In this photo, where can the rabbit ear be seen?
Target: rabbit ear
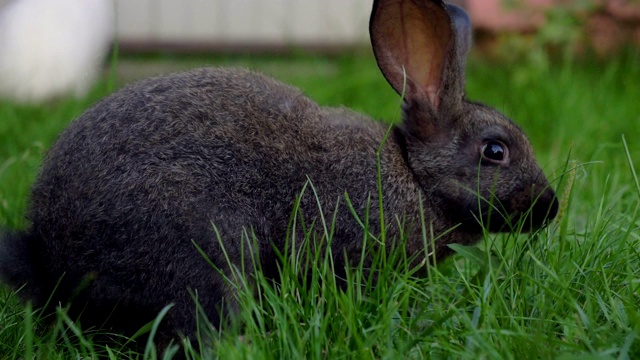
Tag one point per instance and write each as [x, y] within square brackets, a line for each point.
[414, 40]
[462, 24]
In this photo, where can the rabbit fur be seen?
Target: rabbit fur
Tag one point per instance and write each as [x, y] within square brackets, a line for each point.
[223, 152]
[52, 48]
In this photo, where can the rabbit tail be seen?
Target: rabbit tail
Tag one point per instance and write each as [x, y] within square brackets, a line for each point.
[20, 267]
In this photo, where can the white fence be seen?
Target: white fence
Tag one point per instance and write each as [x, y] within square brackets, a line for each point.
[242, 23]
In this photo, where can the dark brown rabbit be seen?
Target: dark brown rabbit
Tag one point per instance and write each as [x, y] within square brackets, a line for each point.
[184, 158]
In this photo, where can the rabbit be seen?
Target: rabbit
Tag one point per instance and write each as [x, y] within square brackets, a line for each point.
[208, 155]
[52, 48]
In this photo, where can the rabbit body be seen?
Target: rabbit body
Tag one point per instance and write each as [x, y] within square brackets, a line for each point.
[213, 154]
[132, 182]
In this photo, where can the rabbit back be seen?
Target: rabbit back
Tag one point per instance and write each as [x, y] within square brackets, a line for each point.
[186, 158]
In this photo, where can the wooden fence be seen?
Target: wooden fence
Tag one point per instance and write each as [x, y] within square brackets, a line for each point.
[207, 24]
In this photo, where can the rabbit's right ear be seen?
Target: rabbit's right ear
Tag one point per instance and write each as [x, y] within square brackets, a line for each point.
[421, 47]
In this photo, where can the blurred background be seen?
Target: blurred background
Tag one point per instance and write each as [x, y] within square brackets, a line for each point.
[53, 48]
[276, 25]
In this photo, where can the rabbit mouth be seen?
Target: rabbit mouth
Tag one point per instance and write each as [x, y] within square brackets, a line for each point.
[523, 211]
[541, 213]
[520, 213]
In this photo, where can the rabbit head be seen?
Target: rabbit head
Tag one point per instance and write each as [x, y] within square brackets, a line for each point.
[473, 163]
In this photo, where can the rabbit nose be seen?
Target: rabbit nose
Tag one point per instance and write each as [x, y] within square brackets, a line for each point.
[545, 209]
[538, 203]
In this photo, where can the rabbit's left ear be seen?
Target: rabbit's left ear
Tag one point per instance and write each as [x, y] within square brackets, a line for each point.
[464, 38]
[421, 47]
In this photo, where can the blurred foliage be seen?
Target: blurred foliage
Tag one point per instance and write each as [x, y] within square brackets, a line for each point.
[567, 33]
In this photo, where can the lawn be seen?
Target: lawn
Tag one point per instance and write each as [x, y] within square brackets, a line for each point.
[569, 291]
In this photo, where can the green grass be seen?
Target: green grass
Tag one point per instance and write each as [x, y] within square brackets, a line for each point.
[569, 291]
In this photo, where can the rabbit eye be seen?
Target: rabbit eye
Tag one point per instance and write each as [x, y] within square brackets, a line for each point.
[494, 151]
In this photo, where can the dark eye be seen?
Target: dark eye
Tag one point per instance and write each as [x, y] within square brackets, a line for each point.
[494, 151]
